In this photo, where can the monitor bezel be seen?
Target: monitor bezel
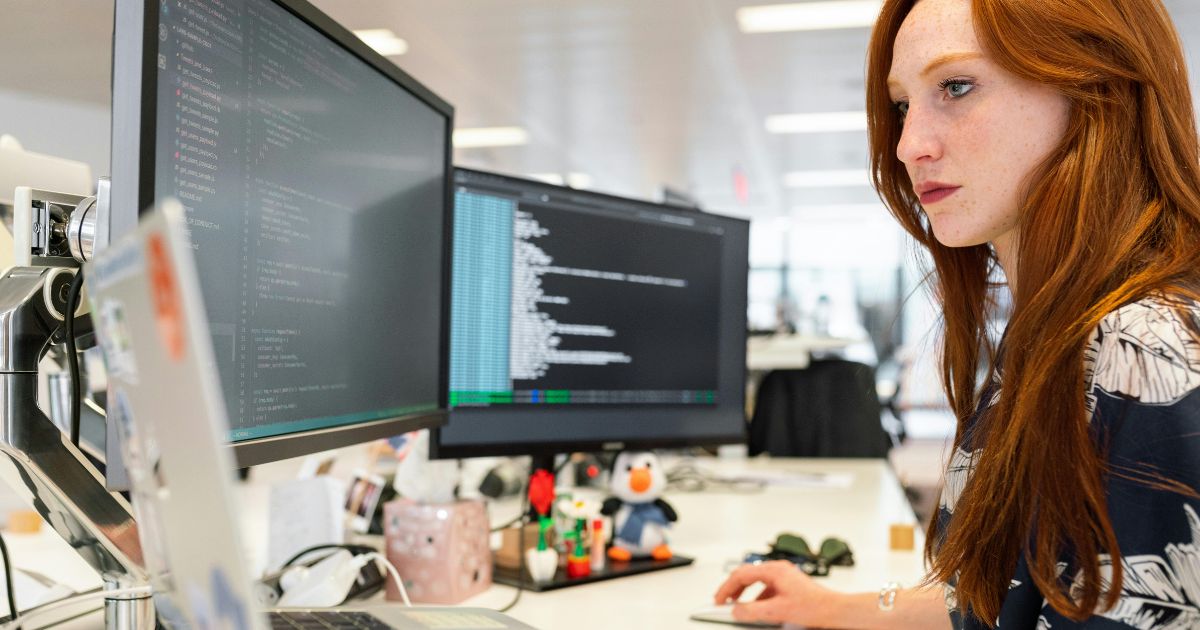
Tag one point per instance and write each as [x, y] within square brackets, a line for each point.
[134, 113]
[438, 450]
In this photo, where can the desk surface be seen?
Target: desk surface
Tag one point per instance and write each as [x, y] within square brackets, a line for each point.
[716, 528]
[719, 528]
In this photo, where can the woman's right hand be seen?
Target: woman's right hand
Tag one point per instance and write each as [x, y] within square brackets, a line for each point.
[788, 596]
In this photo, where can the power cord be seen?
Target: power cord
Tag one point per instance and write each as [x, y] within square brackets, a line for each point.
[354, 549]
[688, 477]
[363, 555]
[520, 549]
[8, 581]
[375, 555]
[72, 353]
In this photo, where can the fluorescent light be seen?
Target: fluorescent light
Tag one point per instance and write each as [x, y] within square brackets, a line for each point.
[477, 137]
[827, 179]
[823, 122]
[808, 16]
[550, 178]
[579, 181]
[383, 41]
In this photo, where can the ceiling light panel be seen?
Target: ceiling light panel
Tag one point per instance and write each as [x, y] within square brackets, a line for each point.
[808, 16]
[478, 137]
[383, 41]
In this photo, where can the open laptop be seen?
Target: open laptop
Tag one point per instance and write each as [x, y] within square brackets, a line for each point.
[167, 403]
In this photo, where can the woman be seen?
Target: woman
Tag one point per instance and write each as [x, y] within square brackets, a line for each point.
[1054, 139]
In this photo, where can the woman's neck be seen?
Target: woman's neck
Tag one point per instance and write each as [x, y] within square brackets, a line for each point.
[1005, 247]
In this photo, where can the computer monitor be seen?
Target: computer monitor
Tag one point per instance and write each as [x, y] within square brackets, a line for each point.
[315, 179]
[585, 322]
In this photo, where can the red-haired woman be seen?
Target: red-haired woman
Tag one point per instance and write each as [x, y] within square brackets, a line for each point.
[1055, 139]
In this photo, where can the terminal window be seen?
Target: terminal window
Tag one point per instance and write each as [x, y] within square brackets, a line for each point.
[560, 298]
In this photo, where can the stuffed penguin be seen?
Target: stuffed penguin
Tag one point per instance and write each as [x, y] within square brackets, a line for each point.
[640, 516]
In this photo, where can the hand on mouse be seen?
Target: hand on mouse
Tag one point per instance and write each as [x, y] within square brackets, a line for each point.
[788, 596]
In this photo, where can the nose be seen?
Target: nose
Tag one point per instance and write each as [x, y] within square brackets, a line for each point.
[639, 480]
[919, 140]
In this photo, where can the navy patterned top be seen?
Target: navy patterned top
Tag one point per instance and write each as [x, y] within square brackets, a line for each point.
[1142, 366]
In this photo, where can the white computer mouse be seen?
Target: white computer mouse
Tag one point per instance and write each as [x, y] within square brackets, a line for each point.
[724, 614]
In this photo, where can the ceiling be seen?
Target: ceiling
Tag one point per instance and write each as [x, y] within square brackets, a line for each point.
[634, 94]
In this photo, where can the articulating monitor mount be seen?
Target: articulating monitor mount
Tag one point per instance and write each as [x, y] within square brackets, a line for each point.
[38, 460]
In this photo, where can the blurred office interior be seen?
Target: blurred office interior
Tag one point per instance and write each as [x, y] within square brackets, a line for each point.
[703, 102]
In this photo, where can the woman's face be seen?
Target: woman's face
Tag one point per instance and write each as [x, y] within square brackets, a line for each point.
[973, 133]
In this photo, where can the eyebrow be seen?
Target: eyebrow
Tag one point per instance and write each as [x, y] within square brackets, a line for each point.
[938, 62]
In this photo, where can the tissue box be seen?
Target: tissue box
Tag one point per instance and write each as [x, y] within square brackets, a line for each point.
[441, 550]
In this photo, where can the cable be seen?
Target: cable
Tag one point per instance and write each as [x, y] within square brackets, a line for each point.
[71, 618]
[375, 555]
[74, 599]
[72, 354]
[516, 519]
[354, 549]
[688, 477]
[520, 551]
[8, 581]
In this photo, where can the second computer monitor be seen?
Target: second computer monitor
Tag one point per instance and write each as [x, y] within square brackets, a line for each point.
[583, 321]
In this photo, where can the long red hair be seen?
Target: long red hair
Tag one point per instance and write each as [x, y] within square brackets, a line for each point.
[1111, 216]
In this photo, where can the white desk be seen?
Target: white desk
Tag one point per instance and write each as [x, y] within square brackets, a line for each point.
[718, 528]
[715, 528]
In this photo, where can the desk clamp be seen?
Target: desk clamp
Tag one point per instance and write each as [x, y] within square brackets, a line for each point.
[36, 459]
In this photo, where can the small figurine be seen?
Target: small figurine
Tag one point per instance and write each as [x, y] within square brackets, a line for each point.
[640, 516]
[580, 511]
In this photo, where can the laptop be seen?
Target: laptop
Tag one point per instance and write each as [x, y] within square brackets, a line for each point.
[166, 401]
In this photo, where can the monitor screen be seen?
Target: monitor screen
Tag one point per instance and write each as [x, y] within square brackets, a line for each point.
[582, 321]
[314, 176]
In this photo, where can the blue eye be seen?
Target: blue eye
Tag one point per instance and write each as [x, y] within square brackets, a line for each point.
[957, 88]
[902, 107]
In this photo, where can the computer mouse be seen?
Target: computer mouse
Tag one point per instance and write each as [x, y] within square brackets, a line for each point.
[724, 614]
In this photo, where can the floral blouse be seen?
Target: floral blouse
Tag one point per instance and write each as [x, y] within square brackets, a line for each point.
[1142, 366]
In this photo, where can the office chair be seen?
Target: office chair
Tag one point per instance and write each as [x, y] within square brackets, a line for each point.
[829, 409]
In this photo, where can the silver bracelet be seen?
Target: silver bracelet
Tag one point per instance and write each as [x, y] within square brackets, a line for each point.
[887, 596]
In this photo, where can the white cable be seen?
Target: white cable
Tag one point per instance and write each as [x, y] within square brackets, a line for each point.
[394, 573]
[26, 615]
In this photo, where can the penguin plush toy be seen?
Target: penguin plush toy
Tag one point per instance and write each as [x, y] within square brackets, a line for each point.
[640, 516]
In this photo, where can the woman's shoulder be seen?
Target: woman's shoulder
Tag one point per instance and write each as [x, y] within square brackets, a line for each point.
[1147, 351]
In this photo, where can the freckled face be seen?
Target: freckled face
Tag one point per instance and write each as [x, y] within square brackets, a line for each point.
[973, 133]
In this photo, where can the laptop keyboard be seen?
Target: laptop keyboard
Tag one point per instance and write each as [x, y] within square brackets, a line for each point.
[324, 620]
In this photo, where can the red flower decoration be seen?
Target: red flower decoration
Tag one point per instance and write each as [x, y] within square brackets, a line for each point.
[541, 491]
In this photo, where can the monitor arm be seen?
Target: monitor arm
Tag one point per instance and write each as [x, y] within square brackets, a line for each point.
[40, 463]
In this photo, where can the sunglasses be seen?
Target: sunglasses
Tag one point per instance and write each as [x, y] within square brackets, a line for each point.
[793, 548]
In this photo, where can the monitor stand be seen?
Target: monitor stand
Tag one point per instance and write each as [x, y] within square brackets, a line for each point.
[46, 469]
[519, 577]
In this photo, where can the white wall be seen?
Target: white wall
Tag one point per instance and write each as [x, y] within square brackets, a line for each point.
[67, 129]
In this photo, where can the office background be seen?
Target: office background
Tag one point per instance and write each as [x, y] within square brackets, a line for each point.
[619, 96]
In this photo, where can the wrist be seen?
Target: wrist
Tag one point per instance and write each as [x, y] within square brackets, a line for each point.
[832, 610]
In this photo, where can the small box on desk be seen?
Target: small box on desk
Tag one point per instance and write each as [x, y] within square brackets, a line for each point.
[441, 550]
[511, 548]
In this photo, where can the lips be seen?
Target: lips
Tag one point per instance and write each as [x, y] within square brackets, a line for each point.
[933, 192]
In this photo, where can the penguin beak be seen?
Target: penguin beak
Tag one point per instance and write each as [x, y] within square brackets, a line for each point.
[639, 480]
